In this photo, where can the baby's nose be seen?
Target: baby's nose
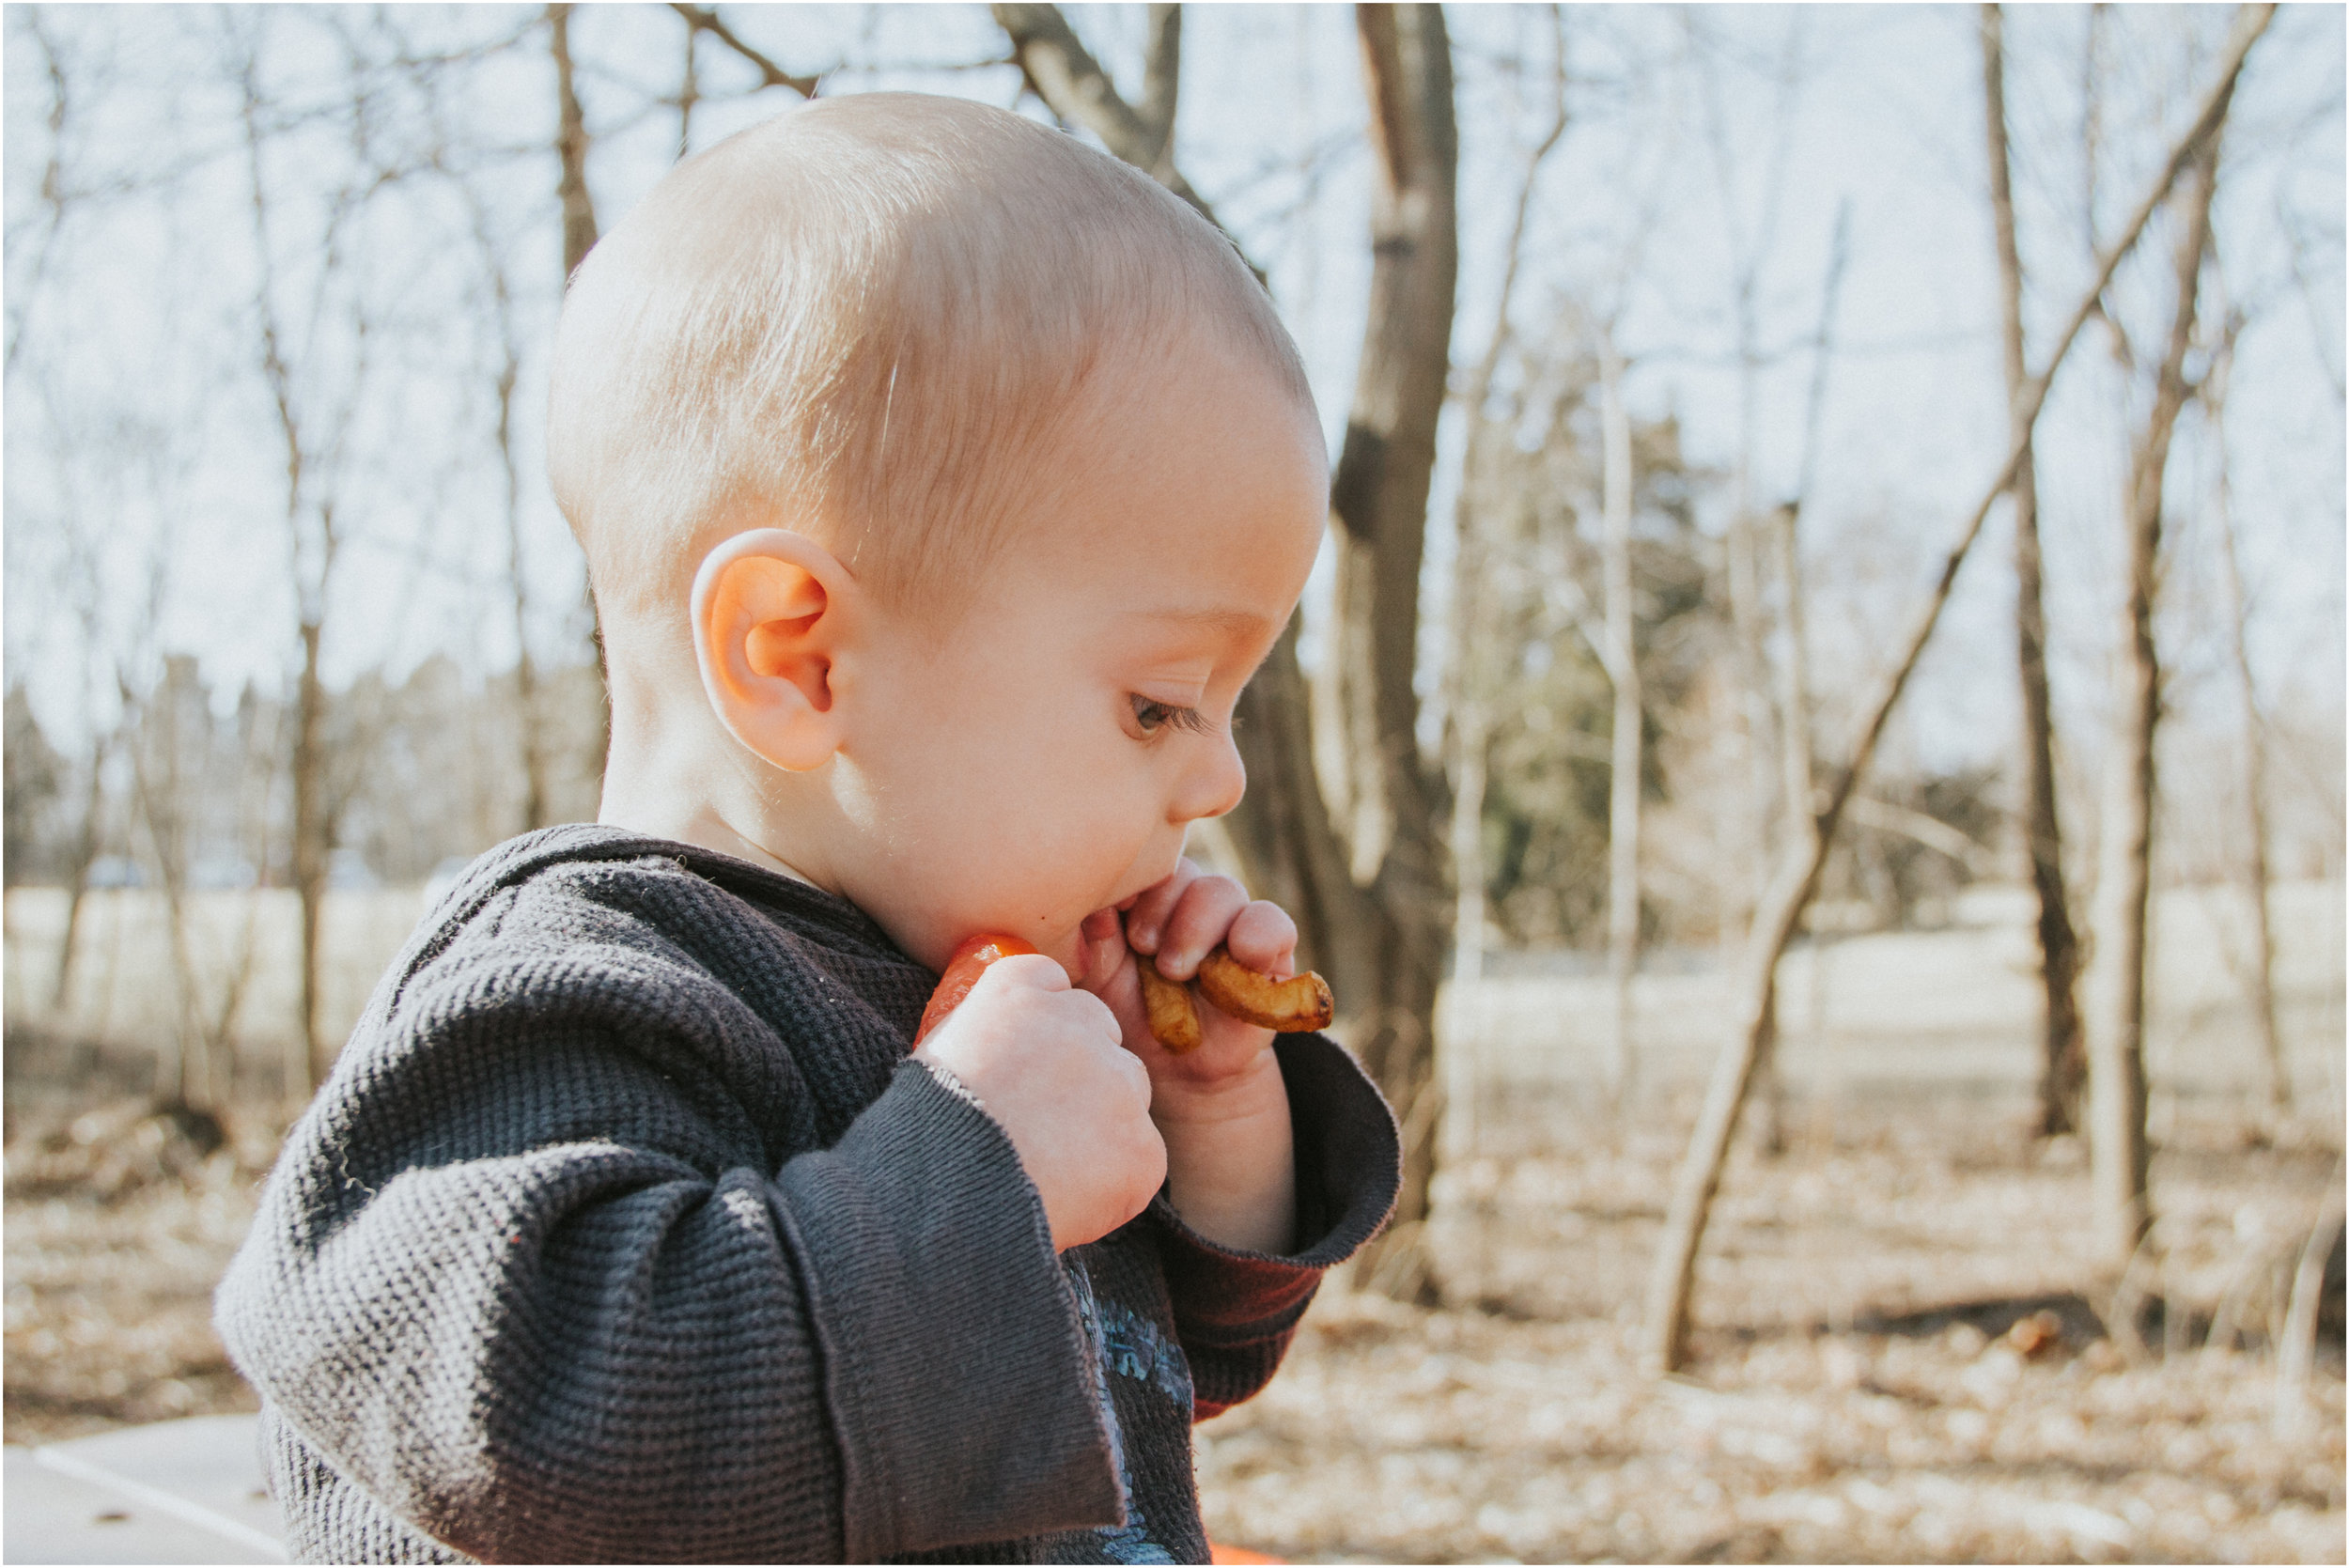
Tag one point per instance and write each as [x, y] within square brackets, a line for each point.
[1214, 784]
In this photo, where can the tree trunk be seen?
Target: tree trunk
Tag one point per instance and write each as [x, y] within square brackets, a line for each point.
[531, 722]
[1379, 498]
[306, 1058]
[570, 147]
[2064, 1065]
[1699, 1177]
[1753, 681]
[579, 238]
[1470, 681]
[160, 787]
[1162, 83]
[2123, 883]
[1472, 739]
[2277, 1069]
[1795, 722]
[312, 559]
[1064, 73]
[77, 885]
[1622, 670]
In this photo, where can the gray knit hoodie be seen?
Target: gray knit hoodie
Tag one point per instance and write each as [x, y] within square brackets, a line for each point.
[625, 1229]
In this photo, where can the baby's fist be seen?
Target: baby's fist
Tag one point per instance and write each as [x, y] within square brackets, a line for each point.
[1172, 927]
[1045, 1062]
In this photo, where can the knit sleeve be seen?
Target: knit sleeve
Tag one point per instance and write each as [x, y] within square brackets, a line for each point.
[1236, 1311]
[536, 1289]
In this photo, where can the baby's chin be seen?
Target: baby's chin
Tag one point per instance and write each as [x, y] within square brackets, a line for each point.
[1067, 950]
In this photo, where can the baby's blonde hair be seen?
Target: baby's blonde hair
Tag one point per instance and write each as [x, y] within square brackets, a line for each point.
[867, 318]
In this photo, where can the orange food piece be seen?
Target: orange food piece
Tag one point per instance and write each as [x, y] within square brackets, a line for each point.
[962, 973]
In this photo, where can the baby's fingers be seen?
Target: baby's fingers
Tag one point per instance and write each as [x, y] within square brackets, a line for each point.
[1199, 921]
[1146, 912]
[1264, 938]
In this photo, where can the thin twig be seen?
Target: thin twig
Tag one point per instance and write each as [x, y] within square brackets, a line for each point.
[704, 18]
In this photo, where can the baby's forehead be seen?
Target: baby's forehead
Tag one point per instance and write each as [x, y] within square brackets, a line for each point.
[1186, 502]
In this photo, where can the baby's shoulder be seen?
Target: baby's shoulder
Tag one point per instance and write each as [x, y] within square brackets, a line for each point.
[581, 987]
[595, 954]
[595, 918]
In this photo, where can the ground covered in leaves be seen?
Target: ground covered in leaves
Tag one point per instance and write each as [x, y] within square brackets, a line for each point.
[1903, 1357]
[119, 1222]
[1903, 1348]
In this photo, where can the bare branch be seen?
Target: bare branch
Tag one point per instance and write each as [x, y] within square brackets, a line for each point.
[704, 18]
[1073, 86]
[571, 146]
[1161, 78]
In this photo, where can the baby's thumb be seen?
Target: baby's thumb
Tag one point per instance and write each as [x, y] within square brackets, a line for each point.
[1030, 971]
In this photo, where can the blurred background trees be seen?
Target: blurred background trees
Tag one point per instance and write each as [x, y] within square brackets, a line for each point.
[1659, 350]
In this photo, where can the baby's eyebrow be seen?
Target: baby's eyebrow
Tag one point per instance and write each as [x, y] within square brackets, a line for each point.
[1237, 624]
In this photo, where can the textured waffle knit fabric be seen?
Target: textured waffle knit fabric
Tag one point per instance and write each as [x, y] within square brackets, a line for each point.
[626, 1231]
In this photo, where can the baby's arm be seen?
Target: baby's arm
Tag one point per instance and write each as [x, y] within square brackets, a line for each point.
[1222, 1109]
[531, 1278]
[1288, 1159]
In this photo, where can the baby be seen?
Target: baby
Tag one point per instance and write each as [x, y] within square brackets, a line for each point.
[941, 483]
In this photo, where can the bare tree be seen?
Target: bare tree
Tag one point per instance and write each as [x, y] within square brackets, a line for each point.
[2064, 1065]
[1795, 697]
[1760, 728]
[1469, 679]
[2116, 1035]
[1699, 1177]
[53, 184]
[699, 19]
[1380, 497]
[171, 751]
[85, 838]
[2277, 1069]
[314, 439]
[1622, 663]
[530, 720]
[571, 146]
[1161, 84]
[1063, 72]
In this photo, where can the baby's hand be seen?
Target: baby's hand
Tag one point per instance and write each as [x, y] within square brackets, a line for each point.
[1173, 925]
[1222, 1107]
[1044, 1059]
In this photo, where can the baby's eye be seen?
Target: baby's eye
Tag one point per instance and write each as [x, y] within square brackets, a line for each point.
[1152, 716]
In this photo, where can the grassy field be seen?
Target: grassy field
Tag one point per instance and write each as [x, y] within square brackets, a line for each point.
[1863, 1390]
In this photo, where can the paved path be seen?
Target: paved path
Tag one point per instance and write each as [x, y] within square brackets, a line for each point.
[185, 1491]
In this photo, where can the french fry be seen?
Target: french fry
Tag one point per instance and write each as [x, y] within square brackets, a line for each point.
[1297, 1005]
[1293, 1006]
[1174, 1021]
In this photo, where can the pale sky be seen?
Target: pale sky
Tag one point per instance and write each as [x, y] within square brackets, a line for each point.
[139, 326]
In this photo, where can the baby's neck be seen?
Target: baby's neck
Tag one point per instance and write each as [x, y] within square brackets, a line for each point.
[688, 783]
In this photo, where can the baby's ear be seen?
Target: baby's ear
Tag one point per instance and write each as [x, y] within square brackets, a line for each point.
[769, 609]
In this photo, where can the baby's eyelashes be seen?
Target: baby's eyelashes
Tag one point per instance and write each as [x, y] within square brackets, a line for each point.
[1153, 716]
